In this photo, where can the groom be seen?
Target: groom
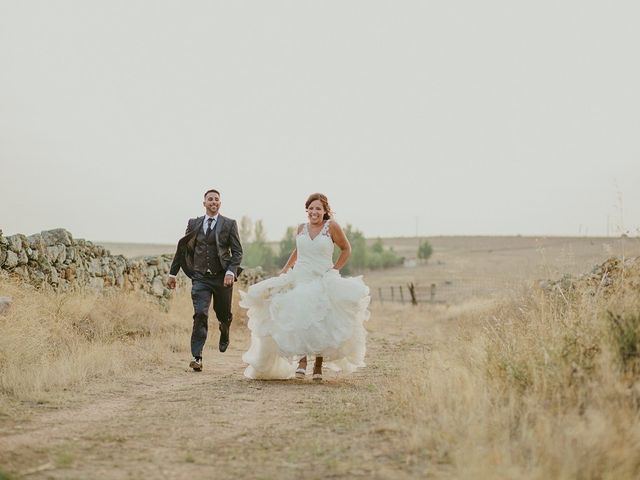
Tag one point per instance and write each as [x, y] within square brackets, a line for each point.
[210, 255]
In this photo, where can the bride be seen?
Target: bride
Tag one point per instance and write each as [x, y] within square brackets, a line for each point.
[309, 309]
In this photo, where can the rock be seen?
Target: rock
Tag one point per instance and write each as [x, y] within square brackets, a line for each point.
[32, 254]
[70, 254]
[11, 260]
[55, 259]
[614, 272]
[249, 276]
[38, 278]
[35, 242]
[59, 236]
[150, 273]
[5, 303]
[54, 278]
[44, 264]
[157, 287]
[23, 259]
[62, 253]
[52, 253]
[15, 243]
[95, 267]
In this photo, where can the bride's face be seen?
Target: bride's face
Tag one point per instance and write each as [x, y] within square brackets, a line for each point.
[315, 212]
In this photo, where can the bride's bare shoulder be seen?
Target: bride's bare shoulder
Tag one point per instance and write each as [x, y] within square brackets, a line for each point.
[334, 226]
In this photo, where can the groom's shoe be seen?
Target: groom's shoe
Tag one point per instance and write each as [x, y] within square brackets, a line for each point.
[224, 336]
[196, 364]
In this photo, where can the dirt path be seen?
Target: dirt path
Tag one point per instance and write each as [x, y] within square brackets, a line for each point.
[174, 423]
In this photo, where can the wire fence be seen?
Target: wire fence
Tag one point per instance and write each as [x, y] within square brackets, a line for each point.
[449, 291]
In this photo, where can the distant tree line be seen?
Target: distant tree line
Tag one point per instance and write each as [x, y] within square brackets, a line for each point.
[259, 252]
[256, 250]
[368, 257]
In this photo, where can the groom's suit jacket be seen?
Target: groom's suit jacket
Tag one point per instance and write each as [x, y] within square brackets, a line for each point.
[227, 238]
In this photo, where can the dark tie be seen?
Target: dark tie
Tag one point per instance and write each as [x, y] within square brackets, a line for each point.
[209, 221]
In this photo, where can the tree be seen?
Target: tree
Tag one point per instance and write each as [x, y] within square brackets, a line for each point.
[378, 246]
[365, 257]
[425, 250]
[259, 233]
[246, 229]
[358, 258]
[287, 244]
[257, 252]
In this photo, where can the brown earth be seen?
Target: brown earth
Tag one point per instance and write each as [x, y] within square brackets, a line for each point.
[171, 422]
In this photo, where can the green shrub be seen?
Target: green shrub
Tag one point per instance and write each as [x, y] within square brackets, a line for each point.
[256, 251]
[367, 257]
[425, 250]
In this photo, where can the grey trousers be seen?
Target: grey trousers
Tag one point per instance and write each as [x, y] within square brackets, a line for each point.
[204, 287]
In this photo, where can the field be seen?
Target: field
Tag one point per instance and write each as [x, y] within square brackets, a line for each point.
[490, 267]
[496, 378]
[471, 266]
[138, 249]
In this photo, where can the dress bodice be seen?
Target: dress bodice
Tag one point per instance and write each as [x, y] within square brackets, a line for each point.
[315, 255]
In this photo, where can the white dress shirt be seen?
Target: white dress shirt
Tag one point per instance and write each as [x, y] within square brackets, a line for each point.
[205, 224]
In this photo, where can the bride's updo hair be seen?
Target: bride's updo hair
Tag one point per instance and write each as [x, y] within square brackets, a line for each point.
[323, 200]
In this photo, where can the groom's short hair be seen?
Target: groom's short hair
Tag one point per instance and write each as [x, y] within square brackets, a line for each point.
[210, 191]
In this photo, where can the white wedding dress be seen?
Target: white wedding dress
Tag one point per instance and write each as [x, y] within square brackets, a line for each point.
[310, 310]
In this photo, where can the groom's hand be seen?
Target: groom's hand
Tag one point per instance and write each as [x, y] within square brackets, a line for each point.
[228, 280]
[171, 282]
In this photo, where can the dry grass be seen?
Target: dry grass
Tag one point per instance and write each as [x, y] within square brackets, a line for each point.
[537, 387]
[54, 342]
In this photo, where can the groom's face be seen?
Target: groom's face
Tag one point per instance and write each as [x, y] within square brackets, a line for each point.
[212, 203]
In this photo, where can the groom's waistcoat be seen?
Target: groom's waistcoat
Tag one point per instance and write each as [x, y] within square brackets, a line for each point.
[229, 254]
[205, 255]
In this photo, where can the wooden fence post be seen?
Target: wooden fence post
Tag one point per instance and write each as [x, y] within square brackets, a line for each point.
[412, 292]
[433, 292]
[392, 296]
[380, 295]
[401, 295]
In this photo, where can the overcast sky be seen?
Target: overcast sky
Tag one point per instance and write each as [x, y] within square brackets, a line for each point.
[435, 117]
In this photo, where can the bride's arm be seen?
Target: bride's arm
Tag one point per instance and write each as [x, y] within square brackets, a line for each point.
[340, 239]
[291, 262]
[293, 257]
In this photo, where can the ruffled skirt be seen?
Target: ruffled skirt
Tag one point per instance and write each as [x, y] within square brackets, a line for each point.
[300, 313]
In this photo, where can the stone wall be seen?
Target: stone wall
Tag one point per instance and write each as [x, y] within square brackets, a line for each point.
[54, 258]
[614, 273]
